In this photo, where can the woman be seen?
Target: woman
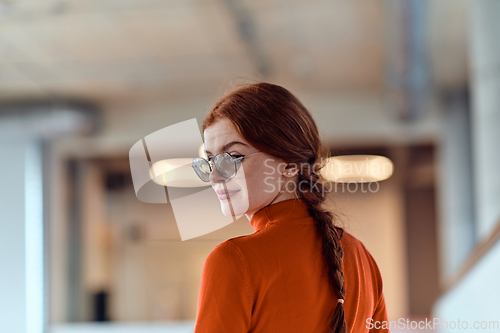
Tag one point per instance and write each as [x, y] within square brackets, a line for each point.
[298, 272]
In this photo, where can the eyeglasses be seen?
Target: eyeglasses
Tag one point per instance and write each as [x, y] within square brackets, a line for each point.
[226, 164]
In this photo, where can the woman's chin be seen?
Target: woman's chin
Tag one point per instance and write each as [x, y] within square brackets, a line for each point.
[237, 205]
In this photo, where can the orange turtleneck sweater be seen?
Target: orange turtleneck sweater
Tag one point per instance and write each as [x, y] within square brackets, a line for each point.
[275, 279]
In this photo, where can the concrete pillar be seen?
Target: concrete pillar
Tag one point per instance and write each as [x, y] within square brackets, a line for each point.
[485, 70]
[13, 303]
[456, 228]
[23, 132]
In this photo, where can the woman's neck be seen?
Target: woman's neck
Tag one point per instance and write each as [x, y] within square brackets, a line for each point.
[282, 196]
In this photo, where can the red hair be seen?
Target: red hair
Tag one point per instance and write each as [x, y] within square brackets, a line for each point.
[274, 121]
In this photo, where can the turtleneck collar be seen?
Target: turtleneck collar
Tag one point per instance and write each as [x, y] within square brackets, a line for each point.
[283, 210]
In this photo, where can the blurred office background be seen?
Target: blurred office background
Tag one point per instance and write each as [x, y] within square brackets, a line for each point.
[81, 81]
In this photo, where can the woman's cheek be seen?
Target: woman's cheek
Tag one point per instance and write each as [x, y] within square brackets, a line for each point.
[240, 202]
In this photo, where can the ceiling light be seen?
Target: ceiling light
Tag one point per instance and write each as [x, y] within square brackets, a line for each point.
[357, 168]
[175, 172]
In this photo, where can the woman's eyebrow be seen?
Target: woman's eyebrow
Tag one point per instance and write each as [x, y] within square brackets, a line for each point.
[228, 145]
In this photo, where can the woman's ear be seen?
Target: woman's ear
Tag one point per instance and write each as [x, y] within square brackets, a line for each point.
[291, 170]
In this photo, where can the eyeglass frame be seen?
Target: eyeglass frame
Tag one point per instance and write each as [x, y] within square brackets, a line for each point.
[211, 163]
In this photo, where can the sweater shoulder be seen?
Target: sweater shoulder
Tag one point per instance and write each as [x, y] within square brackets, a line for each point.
[353, 245]
[355, 249]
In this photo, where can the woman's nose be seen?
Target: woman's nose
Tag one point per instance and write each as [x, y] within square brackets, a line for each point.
[216, 177]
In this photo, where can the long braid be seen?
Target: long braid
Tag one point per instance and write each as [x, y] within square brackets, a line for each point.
[254, 110]
[312, 191]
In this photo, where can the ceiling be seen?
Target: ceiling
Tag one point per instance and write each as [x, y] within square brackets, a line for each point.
[107, 50]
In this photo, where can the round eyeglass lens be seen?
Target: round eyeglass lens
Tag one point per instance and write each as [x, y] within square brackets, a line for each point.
[202, 169]
[225, 165]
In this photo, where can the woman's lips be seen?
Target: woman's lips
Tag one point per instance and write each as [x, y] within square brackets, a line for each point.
[224, 195]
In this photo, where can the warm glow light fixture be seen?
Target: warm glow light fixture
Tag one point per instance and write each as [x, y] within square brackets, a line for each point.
[175, 172]
[357, 168]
